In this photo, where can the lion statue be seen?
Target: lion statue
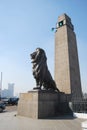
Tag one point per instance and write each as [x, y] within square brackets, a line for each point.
[40, 71]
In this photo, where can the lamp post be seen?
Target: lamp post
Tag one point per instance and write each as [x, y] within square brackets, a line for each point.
[55, 28]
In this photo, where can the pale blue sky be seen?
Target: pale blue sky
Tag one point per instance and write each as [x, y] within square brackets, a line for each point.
[26, 25]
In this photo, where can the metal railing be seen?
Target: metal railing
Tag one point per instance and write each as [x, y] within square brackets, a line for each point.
[79, 106]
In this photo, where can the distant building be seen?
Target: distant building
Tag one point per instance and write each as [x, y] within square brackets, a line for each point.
[4, 93]
[11, 89]
[85, 95]
[8, 92]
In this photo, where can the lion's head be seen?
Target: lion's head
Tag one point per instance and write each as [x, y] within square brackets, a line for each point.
[37, 55]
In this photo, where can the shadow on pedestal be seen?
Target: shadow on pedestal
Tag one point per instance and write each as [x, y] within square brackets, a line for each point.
[42, 104]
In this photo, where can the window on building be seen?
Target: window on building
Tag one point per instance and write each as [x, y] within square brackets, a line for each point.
[60, 23]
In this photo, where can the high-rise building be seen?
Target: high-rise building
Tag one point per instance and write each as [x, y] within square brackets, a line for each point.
[0, 85]
[8, 92]
[11, 89]
[67, 73]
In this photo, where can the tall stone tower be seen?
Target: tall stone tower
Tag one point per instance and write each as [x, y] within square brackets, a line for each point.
[67, 73]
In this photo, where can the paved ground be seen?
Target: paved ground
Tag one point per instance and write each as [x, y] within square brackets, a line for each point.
[8, 121]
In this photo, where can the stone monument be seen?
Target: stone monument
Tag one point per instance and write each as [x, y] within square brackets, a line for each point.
[44, 100]
[49, 99]
[67, 73]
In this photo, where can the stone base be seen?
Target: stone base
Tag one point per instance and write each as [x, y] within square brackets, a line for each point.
[40, 104]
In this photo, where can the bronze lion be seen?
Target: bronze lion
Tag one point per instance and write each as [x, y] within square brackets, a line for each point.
[41, 73]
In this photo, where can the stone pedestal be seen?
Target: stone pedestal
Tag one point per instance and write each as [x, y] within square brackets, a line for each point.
[43, 104]
[38, 104]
